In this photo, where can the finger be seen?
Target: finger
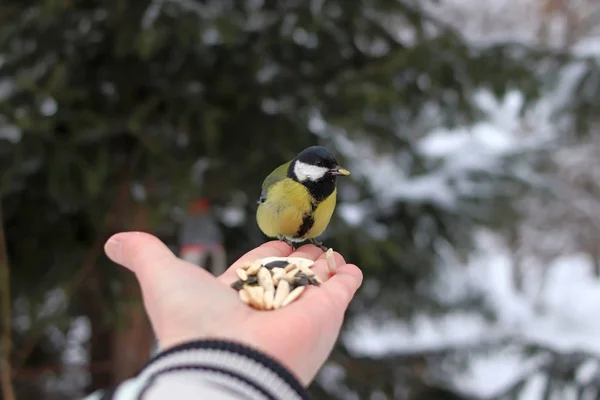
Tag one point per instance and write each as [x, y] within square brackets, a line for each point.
[309, 251]
[320, 266]
[274, 248]
[339, 259]
[343, 285]
[139, 252]
[328, 302]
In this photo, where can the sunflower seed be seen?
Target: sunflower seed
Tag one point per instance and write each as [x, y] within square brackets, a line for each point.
[256, 294]
[241, 274]
[246, 265]
[277, 270]
[274, 282]
[283, 289]
[292, 273]
[276, 264]
[289, 279]
[313, 280]
[301, 280]
[237, 285]
[253, 269]
[294, 294]
[290, 267]
[268, 299]
[244, 296]
[265, 279]
[277, 274]
[330, 261]
[307, 271]
[289, 260]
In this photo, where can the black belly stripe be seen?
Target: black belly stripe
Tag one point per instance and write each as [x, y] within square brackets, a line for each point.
[308, 221]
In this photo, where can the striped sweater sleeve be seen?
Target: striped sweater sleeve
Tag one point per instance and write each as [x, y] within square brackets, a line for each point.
[208, 369]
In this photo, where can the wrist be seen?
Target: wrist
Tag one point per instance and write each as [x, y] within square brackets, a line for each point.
[250, 367]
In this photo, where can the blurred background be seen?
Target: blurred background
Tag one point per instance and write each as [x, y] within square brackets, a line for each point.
[470, 128]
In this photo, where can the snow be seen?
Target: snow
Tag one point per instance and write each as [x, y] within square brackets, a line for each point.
[558, 306]
[488, 22]
[378, 339]
[590, 47]
[12, 133]
[232, 216]
[481, 147]
[562, 314]
[352, 213]
[48, 107]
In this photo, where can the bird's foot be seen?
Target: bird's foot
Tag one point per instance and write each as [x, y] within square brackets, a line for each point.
[317, 243]
[288, 242]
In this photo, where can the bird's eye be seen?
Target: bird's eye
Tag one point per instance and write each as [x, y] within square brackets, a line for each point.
[319, 163]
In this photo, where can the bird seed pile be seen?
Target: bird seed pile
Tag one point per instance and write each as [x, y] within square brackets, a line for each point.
[275, 282]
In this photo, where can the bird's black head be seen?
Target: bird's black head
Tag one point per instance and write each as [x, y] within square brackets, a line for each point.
[317, 169]
[318, 156]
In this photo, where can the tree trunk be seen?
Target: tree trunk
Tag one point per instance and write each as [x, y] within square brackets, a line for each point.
[132, 341]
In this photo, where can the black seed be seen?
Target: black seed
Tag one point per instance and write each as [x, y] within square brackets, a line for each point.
[276, 264]
[252, 279]
[301, 281]
[237, 285]
[313, 281]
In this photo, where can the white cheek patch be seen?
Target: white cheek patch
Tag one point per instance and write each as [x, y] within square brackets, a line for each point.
[305, 171]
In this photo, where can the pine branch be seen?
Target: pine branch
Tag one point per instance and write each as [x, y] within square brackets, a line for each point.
[8, 391]
[89, 262]
[36, 332]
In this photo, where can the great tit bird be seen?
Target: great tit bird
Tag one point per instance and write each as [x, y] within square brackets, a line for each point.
[298, 197]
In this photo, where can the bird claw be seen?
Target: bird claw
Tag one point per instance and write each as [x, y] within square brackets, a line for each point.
[288, 242]
[312, 241]
[318, 244]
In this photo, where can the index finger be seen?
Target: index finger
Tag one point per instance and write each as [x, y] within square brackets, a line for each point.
[274, 248]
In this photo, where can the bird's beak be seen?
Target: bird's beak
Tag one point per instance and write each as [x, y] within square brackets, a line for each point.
[340, 171]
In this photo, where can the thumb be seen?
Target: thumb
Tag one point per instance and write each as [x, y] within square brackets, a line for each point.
[139, 252]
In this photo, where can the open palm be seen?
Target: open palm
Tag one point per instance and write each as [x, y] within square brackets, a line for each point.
[187, 303]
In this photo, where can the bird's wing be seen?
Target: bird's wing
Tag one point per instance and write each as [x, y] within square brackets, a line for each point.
[278, 174]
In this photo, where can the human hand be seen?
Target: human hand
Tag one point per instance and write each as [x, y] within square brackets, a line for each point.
[185, 302]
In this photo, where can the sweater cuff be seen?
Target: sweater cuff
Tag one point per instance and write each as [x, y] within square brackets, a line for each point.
[235, 360]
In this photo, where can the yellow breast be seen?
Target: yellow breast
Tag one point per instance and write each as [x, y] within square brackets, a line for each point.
[322, 216]
[287, 207]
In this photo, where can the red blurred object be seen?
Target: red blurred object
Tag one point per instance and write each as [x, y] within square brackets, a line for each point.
[199, 206]
[201, 239]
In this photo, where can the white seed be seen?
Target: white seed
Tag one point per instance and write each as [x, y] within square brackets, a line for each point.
[254, 267]
[283, 289]
[246, 265]
[265, 280]
[289, 279]
[277, 275]
[305, 262]
[293, 295]
[244, 296]
[268, 299]
[330, 261]
[241, 274]
[292, 273]
[274, 289]
[289, 267]
[256, 294]
[307, 271]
